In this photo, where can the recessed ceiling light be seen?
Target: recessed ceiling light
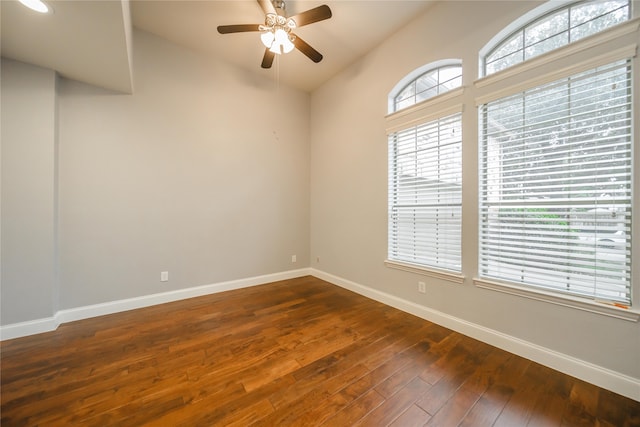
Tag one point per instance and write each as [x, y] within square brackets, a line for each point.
[37, 5]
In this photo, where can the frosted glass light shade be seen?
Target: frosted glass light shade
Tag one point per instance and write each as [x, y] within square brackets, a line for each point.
[278, 42]
[37, 5]
[287, 46]
[282, 38]
[267, 38]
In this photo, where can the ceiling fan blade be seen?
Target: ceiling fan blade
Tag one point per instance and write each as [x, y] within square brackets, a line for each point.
[240, 28]
[267, 7]
[267, 59]
[304, 47]
[316, 14]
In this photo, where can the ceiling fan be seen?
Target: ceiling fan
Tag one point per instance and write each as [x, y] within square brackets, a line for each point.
[277, 30]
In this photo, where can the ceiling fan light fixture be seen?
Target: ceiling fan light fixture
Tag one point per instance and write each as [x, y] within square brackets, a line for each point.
[37, 5]
[277, 32]
[277, 40]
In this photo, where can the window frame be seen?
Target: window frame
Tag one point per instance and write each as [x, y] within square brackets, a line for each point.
[571, 284]
[616, 42]
[529, 19]
[437, 107]
[412, 77]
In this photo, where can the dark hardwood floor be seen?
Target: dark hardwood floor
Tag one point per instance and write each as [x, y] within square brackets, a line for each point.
[299, 352]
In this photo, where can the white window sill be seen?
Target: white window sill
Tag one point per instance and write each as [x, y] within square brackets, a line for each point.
[603, 308]
[425, 271]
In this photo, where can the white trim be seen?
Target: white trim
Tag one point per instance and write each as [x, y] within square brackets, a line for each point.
[22, 329]
[625, 52]
[30, 327]
[602, 308]
[564, 51]
[602, 377]
[426, 104]
[425, 271]
[426, 118]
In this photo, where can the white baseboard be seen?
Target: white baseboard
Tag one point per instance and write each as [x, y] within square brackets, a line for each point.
[594, 374]
[22, 329]
[30, 327]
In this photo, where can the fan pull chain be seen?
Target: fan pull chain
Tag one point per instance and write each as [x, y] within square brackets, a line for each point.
[277, 74]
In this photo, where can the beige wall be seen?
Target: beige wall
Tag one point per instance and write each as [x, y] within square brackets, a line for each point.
[349, 205]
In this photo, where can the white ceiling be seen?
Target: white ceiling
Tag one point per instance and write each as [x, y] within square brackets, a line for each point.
[82, 40]
[87, 40]
[354, 28]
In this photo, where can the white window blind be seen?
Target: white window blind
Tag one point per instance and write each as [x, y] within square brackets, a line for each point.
[425, 182]
[555, 185]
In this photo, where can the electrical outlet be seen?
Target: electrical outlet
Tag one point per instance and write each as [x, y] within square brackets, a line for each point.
[422, 287]
[293, 258]
[164, 276]
[318, 259]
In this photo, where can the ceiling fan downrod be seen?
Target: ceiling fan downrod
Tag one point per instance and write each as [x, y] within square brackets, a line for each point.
[279, 4]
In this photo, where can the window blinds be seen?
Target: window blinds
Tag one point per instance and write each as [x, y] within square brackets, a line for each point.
[425, 182]
[555, 185]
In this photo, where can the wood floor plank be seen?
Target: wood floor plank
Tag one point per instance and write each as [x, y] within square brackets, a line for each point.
[396, 405]
[412, 417]
[355, 410]
[582, 406]
[336, 391]
[297, 352]
[552, 401]
[521, 404]
[461, 362]
[617, 410]
[454, 410]
[503, 384]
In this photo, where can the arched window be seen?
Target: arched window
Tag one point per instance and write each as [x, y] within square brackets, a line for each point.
[551, 29]
[425, 171]
[425, 83]
[555, 203]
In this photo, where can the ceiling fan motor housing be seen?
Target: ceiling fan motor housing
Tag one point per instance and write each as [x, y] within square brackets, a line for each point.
[279, 4]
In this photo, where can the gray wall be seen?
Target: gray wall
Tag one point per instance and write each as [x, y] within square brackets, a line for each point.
[28, 214]
[203, 172]
[349, 205]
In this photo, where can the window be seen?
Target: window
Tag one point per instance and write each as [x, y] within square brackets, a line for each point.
[555, 170]
[425, 173]
[425, 193]
[432, 83]
[556, 29]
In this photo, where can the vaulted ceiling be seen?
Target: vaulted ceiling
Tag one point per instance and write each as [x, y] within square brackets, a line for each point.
[90, 41]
